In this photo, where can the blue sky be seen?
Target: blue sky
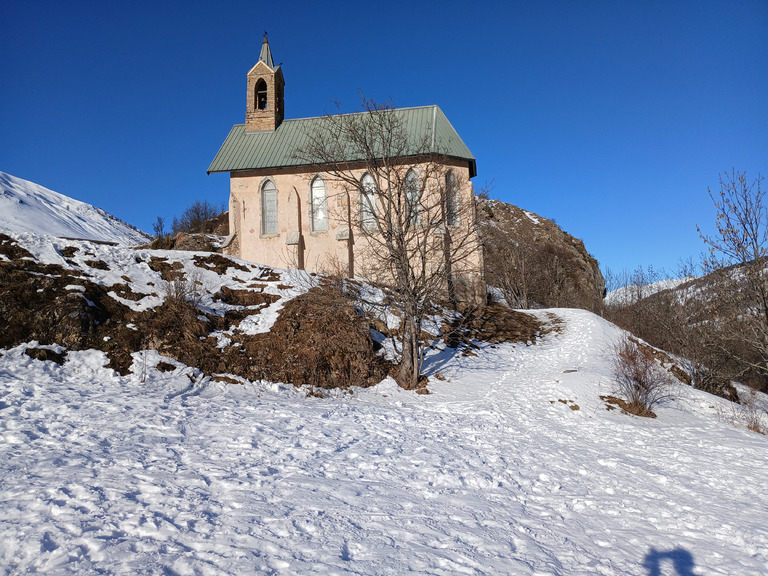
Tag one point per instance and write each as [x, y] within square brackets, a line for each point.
[612, 118]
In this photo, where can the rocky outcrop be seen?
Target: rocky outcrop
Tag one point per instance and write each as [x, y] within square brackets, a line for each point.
[534, 262]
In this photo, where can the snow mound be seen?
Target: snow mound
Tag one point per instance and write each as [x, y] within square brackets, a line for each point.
[26, 207]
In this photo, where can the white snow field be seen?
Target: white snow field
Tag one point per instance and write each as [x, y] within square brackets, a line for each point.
[170, 473]
[631, 294]
[26, 207]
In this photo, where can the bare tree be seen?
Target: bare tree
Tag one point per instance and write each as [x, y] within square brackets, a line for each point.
[159, 227]
[407, 209]
[737, 265]
[197, 218]
[509, 269]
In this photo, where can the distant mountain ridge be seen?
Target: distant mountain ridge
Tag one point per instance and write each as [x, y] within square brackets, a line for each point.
[632, 293]
[26, 207]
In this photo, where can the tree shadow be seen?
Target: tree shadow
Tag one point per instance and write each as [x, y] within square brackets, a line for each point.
[682, 562]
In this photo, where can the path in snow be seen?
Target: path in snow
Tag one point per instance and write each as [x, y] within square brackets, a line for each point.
[485, 476]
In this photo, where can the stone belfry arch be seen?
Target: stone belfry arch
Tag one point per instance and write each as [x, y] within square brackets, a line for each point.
[264, 109]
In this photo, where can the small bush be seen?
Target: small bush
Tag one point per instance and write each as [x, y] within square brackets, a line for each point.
[182, 289]
[198, 218]
[752, 414]
[640, 381]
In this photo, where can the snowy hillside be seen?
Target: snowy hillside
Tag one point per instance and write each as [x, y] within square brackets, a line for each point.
[512, 465]
[630, 294]
[29, 207]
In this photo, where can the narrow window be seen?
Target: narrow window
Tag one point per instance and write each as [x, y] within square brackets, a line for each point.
[368, 202]
[268, 208]
[318, 205]
[452, 200]
[412, 194]
[261, 95]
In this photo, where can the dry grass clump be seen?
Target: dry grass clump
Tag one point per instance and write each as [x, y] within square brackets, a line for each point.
[494, 323]
[640, 382]
[319, 340]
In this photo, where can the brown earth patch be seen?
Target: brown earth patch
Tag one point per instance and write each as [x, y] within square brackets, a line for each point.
[10, 249]
[46, 355]
[218, 263]
[495, 324]
[269, 275]
[98, 264]
[124, 291]
[244, 297]
[168, 272]
[163, 366]
[68, 251]
[319, 339]
[612, 402]
[226, 379]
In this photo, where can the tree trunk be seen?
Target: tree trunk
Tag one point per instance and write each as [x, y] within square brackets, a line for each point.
[408, 371]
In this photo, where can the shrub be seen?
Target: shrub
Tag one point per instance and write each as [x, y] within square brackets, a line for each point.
[198, 218]
[640, 380]
[181, 289]
[752, 414]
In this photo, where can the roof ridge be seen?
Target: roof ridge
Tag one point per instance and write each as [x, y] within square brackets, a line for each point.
[353, 113]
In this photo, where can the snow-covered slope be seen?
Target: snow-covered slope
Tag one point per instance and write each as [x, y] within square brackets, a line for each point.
[29, 207]
[630, 294]
[513, 465]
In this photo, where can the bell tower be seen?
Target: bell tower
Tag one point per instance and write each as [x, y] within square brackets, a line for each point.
[264, 107]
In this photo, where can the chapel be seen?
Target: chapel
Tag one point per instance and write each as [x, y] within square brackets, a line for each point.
[287, 210]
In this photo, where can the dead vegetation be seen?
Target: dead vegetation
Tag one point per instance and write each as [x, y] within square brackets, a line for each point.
[494, 323]
[322, 339]
[319, 339]
[641, 382]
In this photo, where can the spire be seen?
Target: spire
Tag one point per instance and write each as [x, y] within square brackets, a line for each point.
[266, 53]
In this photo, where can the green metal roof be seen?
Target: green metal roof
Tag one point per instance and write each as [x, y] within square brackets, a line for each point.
[277, 149]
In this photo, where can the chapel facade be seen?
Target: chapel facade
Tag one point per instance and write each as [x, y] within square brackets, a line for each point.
[286, 212]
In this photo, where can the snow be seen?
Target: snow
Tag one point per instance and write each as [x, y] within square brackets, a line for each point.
[495, 472]
[26, 207]
[532, 217]
[630, 294]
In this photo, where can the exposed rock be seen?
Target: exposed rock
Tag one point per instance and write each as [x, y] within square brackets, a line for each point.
[197, 242]
[534, 261]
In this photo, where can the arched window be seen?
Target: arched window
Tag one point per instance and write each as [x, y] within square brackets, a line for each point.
[452, 200]
[368, 202]
[412, 196]
[318, 205]
[268, 208]
[260, 95]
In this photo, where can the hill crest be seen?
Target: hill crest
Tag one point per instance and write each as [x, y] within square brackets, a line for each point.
[26, 207]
